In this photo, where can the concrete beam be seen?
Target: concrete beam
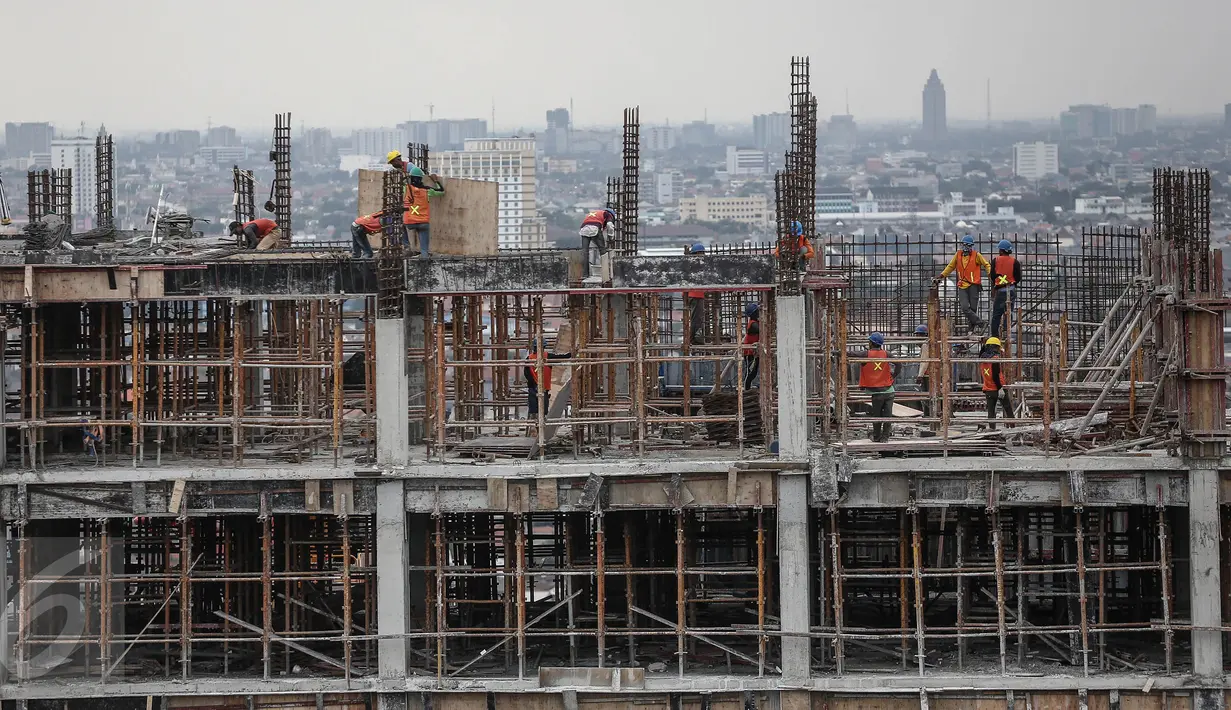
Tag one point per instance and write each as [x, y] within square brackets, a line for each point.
[718, 272]
[392, 560]
[1205, 584]
[508, 273]
[280, 278]
[392, 393]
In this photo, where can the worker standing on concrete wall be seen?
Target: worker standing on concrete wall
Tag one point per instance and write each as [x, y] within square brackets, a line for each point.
[417, 201]
[696, 305]
[1006, 274]
[259, 234]
[876, 377]
[994, 381]
[597, 227]
[969, 265]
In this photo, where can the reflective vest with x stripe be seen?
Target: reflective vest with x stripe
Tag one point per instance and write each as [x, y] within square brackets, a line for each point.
[876, 374]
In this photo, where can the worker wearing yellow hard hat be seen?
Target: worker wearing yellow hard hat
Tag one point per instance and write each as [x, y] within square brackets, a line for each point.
[994, 381]
[417, 214]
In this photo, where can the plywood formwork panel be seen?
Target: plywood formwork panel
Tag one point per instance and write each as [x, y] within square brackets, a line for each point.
[459, 701]
[1055, 701]
[615, 701]
[986, 703]
[464, 218]
[80, 285]
[846, 702]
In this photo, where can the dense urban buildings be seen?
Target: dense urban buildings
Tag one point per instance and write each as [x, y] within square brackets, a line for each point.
[1035, 161]
[746, 161]
[935, 122]
[443, 133]
[510, 162]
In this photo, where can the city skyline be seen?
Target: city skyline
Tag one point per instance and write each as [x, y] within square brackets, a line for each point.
[672, 75]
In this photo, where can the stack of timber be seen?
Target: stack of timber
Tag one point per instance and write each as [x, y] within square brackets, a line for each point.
[726, 405]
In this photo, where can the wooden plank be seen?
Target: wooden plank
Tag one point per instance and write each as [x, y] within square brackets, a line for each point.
[1055, 701]
[546, 494]
[459, 701]
[843, 702]
[528, 701]
[312, 496]
[497, 493]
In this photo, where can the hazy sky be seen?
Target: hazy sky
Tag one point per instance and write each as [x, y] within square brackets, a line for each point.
[179, 63]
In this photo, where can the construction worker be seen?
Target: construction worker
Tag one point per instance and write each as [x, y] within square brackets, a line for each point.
[596, 228]
[259, 234]
[994, 381]
[696, 304]
[417, 201]
[876, 377]
[922, 379]
[359, 231]
[1006, 274]
[752, 336]
[530, 372]
[969, 265]
[805, 246]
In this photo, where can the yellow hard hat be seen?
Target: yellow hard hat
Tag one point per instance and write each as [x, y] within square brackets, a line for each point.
[992, 341]
[393, 155]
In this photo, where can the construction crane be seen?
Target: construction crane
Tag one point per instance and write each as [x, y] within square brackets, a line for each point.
[6, 217]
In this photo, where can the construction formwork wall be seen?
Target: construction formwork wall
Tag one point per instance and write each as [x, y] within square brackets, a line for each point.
[157, 381]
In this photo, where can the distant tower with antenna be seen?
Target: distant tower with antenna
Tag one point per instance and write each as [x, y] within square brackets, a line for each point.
[989, 103]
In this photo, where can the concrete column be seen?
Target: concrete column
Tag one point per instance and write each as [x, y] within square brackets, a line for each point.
[794, 577]
[791, 379]
[793, 490]
[392, 559]
[392, 389]
[1205, 575]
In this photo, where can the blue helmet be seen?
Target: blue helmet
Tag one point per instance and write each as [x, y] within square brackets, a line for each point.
[697, 248]
[797, 229]
[921, 330]
[968, 241]
[1005, 245]
[876, 339]
[751, 309]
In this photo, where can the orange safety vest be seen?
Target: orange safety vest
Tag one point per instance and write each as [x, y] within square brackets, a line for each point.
[598, 217]
[534, 373]
[263, 226]
[418, 209]
[696, 294]
[876, 374]
[968, 271]
[805, 248]
[370, 223]
[751, 338]
[1002, 270]
[989, 382]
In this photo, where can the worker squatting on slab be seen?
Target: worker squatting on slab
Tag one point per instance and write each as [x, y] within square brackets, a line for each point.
[259, 234]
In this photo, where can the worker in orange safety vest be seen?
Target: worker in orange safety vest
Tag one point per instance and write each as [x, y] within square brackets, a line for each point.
[876, 377]
[994, 381]
[969, 265]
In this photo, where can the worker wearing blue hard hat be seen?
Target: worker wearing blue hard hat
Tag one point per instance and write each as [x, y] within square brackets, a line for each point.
[416, 200]
[1006, 275]
[805, 245]
[752, 336]
[969, 265]
[876, 378]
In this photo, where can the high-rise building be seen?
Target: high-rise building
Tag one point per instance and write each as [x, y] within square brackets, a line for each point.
[557, 118]
[556, 137]
[510, 163]
[317, 147]
[444, 133]
[746, 161]
[935, 122]
[842, 131]
[1035, 161]
[377, 142]
[1084, 121]
[1147, 118]
[23, 139]
[78, 154]
[698, 133]
[1226, 117]
[659, 139]
[668, 185]
[178, 144]
[753, 209]
[771, 131]
[1124, 121]
[221, 136]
